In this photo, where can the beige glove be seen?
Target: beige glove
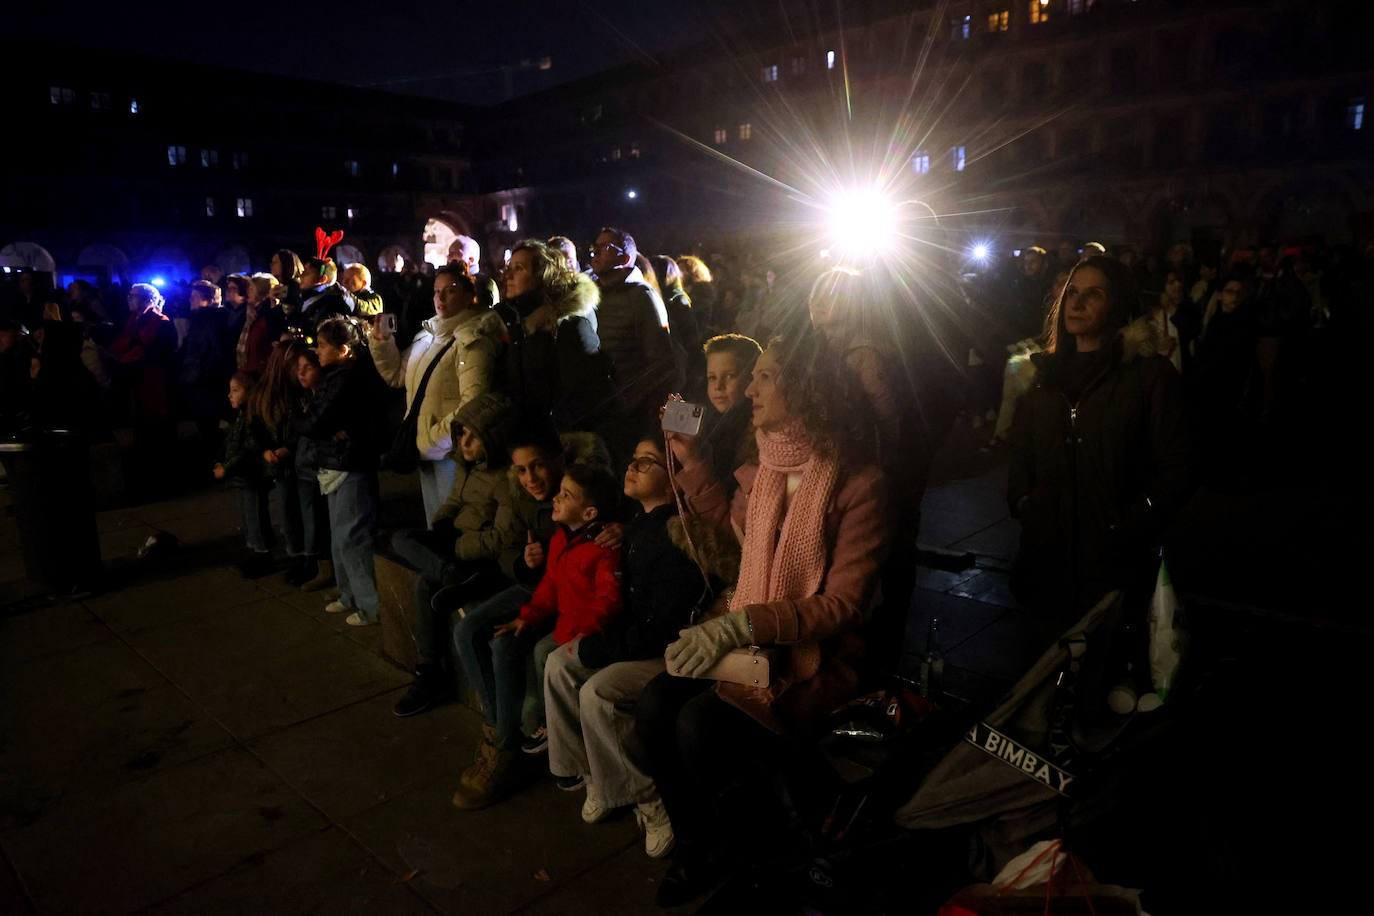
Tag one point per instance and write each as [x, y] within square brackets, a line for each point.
[701, 646]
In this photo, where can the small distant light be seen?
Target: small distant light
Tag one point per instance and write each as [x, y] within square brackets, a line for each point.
[159, 282]
[1016, 253]
[507, 255]
[133, 106]
[830, 60]
[7, 270]
[632, 194]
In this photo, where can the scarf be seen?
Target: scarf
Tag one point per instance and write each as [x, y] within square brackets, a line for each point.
[795, 566]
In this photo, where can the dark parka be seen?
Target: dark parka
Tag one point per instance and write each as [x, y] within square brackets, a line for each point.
[349, 400]
[659, 587]
[244, 467]
[1102, 476]
[553, 364]
[633, 325]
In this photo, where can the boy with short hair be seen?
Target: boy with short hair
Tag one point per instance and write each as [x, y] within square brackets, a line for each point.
[578, 592]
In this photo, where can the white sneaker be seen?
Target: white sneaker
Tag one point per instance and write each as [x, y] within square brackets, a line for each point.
[658, 830]
[357, 620]
[335, 607]
[593, 812]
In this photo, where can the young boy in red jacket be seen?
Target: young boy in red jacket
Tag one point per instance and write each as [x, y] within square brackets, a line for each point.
[578, 593]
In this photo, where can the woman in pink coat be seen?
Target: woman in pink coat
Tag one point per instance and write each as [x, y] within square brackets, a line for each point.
[812, 514]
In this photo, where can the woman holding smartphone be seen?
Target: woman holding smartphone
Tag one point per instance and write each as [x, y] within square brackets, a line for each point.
[462, 341]
[813, 517]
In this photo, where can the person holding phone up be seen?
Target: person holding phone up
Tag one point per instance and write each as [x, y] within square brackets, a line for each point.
[462, 339]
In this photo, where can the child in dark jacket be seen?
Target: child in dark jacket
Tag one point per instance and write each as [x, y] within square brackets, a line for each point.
[241, 465]
[592, 681]
[578, 593]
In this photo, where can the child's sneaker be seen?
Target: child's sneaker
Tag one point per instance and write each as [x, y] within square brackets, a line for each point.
[570, 783]
[335, 607]
[537, 743]
[658, 830]
[593, 812]
[358, 620]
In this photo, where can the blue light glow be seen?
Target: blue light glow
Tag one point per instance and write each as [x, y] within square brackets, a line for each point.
[159, 282]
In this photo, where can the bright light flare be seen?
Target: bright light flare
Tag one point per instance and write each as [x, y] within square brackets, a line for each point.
[632, 194]
[863, 220]
[981, 251]
[159, 282]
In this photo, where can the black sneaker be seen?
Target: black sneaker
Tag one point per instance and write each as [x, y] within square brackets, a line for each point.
[537, 743]
[570, 783]
[424, 694]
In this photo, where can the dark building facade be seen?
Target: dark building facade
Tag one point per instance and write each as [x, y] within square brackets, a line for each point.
[1147, 122]
[1140, 122]
[122, 167]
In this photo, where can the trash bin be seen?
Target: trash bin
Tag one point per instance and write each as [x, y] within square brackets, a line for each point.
[50, 489]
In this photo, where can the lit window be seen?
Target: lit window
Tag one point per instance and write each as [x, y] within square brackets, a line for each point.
[100, 100]
[1354, 114]
[176, 155]
[351, 213]
[133, 106]
[745, 131]
[1039, 11]
[999, 22]
[615, 154]
[798, 66]
[721, 134]
[209, 157]
[240, 160]
[960, 27]
[244, 206]
[351, 167]
[61, 96]
[508, 216]
[395, 169]
[634, 150]
[209, 206]
[920, 163]
[770, 73]
[830, 60]
[329, 212]
[956, 158]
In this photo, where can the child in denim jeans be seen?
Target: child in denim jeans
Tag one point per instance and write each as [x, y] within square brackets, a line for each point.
[242, 466]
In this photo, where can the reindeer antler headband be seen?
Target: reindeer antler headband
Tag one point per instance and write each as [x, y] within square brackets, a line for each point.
[325, 242]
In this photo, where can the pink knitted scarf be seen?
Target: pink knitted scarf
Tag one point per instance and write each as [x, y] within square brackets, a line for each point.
[794, 566]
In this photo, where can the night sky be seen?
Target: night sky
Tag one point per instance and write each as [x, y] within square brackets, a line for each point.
[454, 50]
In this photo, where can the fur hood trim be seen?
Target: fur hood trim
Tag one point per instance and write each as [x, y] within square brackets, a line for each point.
[716, 548]
[1139, 339]
[578, 301]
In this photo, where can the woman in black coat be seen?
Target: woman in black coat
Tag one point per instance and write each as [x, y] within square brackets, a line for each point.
[1101, 460]
[553, 364]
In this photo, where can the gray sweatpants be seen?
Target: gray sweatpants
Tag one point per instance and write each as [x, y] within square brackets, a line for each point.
[590, 715]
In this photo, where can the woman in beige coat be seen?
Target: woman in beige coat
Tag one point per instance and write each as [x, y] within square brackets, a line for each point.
[465, 340]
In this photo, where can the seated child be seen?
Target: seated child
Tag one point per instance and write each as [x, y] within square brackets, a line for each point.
[591, 683]
[460, 550]
[578, 593]
[241, 464]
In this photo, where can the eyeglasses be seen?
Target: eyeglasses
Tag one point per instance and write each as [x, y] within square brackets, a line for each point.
[643, 463]
[605, 246]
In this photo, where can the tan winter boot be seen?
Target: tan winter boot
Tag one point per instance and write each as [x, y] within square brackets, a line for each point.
[488, 780]
[324, 578]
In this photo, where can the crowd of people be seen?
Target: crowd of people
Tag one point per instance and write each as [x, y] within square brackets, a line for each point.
[633, 473]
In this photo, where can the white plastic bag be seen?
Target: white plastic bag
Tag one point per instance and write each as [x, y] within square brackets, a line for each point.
[1168, 639]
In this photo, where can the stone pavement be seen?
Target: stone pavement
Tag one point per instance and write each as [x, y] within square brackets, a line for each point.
[190, 741]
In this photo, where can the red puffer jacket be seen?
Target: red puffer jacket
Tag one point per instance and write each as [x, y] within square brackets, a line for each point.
[581, 585]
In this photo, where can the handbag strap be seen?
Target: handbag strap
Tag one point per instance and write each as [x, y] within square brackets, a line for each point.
[424, 381]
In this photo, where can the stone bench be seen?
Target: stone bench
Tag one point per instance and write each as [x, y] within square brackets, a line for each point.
[396, 592]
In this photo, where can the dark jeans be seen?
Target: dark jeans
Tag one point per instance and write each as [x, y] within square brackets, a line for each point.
[292, 526]
[430, 553]
[353, 519]
[715, 767]
[314, 515]
[256, 518]
[495, 668]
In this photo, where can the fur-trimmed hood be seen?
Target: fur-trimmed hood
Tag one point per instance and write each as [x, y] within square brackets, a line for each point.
[716, 551]
[578, 300]
[1138, 340]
